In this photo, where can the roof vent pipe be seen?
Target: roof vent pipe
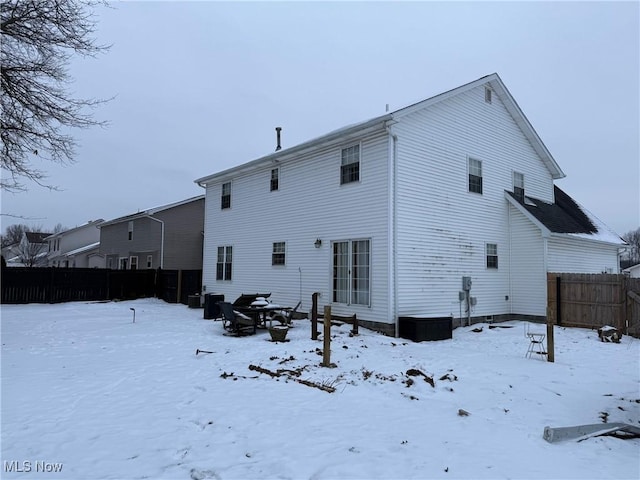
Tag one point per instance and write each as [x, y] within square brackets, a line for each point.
[278, 146]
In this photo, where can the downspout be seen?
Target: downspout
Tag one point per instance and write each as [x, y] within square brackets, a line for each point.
[161, 239]
[510, 258]
[545, 266]
[392, 229]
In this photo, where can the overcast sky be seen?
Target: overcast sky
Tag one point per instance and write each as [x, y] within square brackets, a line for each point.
[199, 87]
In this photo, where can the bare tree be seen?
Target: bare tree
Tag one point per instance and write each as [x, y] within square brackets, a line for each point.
[633, 239]
[38, 38]
[33, 253]
[13, 234]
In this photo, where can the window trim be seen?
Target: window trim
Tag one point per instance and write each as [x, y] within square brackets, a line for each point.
[477, 185]
[350, 278]
[518, 191]
[348, 174]
[224, 268]
[279, 258]
[274, 183]
[225, 199]
[491, 257]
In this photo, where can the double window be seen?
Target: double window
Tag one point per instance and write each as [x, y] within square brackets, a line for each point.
[350, 165]
[492, 255]
[225, 198]
[278, 253]
[475, 175]
[224, 263]
[352, 272]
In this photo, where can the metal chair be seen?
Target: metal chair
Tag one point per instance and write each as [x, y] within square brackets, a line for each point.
[536, 341]
[235, 322]
[285, 316]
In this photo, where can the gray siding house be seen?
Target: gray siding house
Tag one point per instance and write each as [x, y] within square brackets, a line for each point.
[169, 237]
[445, 208]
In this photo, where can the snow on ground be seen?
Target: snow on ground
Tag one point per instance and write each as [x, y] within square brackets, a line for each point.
[87, 391]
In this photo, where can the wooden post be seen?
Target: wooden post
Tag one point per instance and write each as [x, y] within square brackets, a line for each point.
[326, 352]
[314, 316]
[550, 345]
[354, 330]
[179, 289]
[559, 300]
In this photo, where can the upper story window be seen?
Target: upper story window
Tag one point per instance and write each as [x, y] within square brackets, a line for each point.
[224, 263]
[278, 254]
[350, 165]
[149, 261]
[475, 175]
[492, 255]
[518, 185]
[273, 185]
[130, 230]
[225, 199]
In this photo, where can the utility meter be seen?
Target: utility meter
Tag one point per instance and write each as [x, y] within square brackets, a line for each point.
[466, 283]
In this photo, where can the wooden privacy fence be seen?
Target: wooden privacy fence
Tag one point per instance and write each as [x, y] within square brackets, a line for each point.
[594, 300]
[56, 285]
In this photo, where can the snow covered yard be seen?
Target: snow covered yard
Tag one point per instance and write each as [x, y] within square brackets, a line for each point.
[90, 393]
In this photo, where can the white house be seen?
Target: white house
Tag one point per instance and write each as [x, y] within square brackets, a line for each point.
[633, 271]
[445, 208]
[76, 247]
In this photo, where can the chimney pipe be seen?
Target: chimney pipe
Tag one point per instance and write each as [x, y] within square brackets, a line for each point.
[278, 146]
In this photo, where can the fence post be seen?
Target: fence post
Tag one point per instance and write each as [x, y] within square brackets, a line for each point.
[179, 289]
[314, 316]
[550, 342]
[326, 351]
[558, 300]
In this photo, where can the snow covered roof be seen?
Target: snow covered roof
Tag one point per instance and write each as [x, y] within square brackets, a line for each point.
[84, 249]
[380, 122]
[150, 211]
[84, 225]
[566, 217]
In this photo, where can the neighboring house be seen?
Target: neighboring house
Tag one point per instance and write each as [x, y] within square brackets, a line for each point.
[77, 247]
[32, 251]
[10, 253]
[168, 237]
[633, 271]
[388, 218]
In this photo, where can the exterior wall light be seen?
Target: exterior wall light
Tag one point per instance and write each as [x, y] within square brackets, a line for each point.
[317, 243]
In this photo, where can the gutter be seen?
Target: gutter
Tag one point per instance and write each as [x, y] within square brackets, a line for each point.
[161, 239]
[336, 136]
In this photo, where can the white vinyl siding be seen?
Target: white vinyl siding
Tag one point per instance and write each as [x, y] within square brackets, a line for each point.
[589, 257]
[529, 279]
[442, 228]
[312, 206]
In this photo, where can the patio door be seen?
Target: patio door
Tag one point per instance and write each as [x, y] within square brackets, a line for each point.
[352, 272]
